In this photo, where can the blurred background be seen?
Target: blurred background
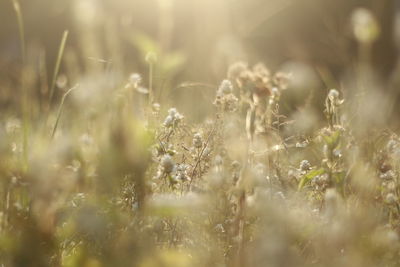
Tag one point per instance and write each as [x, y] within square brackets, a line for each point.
[195, 41]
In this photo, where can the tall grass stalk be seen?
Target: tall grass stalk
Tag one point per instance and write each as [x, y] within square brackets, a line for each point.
[21, 29]
[151, 58]
[60, 109]
[58, 63]
[151, 83]
[24, 93]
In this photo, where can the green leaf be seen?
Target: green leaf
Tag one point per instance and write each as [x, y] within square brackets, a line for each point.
[309, 176]
[173, 61]
[333, 139]
[145, 44]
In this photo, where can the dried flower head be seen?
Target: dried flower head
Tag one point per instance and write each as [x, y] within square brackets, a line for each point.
[173, 118]
[235, 70]
[261, 80]
[151, 57]
[225, 88]
[305, 165]
[225, 99]
[391, 198]
[135, 79]
[281, 80]
[197, 140]
[167, 163]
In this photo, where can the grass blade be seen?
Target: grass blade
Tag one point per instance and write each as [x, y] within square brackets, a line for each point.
[57, 66]
[21, 28]
[24, 94]
[61, 108]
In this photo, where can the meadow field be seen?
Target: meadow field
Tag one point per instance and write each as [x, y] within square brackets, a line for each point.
[177, 133]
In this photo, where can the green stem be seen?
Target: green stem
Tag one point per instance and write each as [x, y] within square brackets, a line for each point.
[57, 66]
[151, 96]
[61, 108]
[24, 96]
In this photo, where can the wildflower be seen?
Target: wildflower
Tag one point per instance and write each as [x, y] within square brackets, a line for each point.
[62, 81]
[173, 117]
[389, 175]
[169, 120]
[225, 88]
[151, 58]
[275, 95]
[261, 70]
[225, 98]
[302, 144]
[219, 228]
[332, 104]
[172, 111]
[337, 153]
[333, 94]
[281, 80]
[78, 199]
[236, 69]
[197, 140]
[156, 107]
[305, 165]
[135, 79]
[384, 167]
[392, 146]
[275, 92]
[236, 171]
[261, 80]
[167, 164]
[181, 173]
[320, 180]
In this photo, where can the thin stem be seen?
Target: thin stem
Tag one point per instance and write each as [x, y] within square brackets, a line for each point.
[61, 108]
[21, 28]
[57, 66]
[24, 95]
[151, 95]
[200, 156]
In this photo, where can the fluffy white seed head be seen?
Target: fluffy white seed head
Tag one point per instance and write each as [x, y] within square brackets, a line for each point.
[225, 88]
[167, 163]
